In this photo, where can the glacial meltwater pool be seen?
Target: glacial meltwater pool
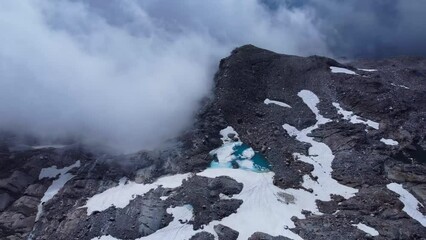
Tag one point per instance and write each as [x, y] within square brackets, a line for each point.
[242, 156]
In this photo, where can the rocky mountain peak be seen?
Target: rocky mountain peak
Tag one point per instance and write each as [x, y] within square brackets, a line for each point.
[289, 147]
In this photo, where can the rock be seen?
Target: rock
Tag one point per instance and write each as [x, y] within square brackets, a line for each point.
[202, 236]
[17, 182]
[231, 135]
[419, 191]
[406, 173]
[264, 236]
[5, 200]
[286, 198]
[225, 233]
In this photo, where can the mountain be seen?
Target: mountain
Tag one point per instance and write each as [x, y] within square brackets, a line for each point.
[287, 147]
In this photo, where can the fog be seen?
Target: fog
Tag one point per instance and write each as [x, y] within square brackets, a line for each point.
[126, 74]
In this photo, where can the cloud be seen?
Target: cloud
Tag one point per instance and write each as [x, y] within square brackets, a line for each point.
[128, 74]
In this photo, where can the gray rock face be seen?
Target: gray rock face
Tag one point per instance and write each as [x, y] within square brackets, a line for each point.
[202, 236]
[264, 236]
[225, 233]
[393, 96]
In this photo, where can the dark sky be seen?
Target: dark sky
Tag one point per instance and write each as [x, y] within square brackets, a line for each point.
[366, 28]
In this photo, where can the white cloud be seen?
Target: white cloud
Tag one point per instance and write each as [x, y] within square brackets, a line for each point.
[130, 75]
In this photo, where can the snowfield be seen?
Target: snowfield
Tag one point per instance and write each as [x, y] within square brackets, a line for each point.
[57, 184]
[121, 195]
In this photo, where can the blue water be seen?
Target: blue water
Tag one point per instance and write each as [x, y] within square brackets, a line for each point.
[259, 163]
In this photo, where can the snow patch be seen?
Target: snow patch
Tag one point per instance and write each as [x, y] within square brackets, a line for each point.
[226, 132]
[390, 142]
[367, 70]
[342, 70]
[411, 204]
[53, 171]
[105, 237]
[57, 184]
[48, 146]
[351, 117]
[373, 232]
[400, 85]
[267, 102]
[320, 156]
[121, 195]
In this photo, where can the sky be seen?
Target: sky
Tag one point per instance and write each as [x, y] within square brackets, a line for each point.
[131, 74]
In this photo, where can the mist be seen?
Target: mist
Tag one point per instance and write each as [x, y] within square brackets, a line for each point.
[127, 74]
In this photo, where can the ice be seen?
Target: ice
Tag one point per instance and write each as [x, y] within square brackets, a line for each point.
[390, 142]
[121, 195]
[225, 154]
[373, 232]
[342, 70]
[348, 115]
[410, 202]
[234, 151]
[267, 102]
[248, 153]
[246, 164]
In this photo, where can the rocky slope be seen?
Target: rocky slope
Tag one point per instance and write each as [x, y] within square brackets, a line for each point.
[287, 148]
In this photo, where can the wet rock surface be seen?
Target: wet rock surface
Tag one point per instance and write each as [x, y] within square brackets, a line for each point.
[393, 96]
